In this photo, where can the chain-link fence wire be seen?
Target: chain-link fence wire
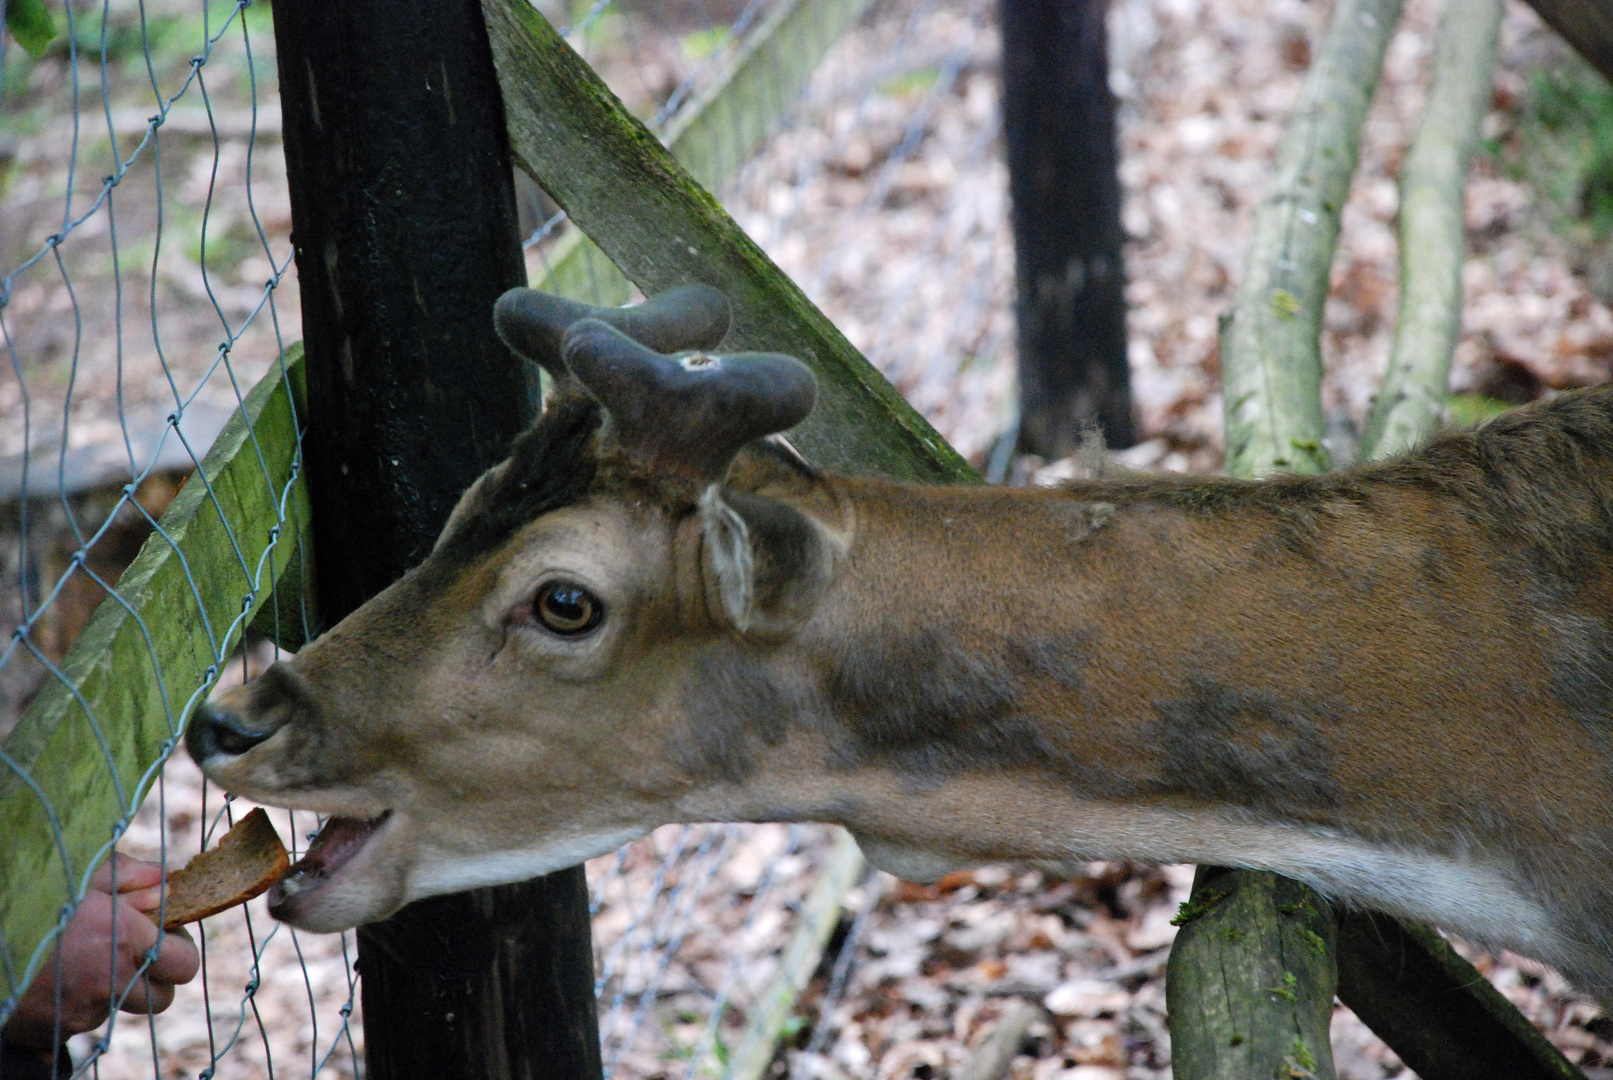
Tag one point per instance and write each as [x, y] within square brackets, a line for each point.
[148, 287]
[144, 254]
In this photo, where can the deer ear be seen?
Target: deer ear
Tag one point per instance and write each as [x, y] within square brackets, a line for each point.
[767, 563]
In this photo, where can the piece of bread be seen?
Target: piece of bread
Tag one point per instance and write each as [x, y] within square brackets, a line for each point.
[244, 863]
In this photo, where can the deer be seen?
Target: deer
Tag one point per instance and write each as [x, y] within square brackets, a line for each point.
[1393, 682]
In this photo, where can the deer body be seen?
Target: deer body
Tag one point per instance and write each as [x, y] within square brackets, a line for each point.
[1394, 683]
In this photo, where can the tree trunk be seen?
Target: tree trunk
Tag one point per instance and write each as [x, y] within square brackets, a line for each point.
[1059, 117]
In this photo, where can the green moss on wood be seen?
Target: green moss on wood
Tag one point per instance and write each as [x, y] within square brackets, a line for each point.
[140, 663]
[1246, 984]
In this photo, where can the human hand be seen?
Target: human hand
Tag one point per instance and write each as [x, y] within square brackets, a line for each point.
[91, 973]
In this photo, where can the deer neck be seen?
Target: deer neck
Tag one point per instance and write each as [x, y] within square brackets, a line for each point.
[1098, 688]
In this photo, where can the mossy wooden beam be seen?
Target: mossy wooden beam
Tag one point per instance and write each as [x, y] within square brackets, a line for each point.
[1587, 25]
[1434, 1009]
[715, 132]
[1271, 361]
[80, 758]
[1433, 231]
[627, 192]
[1249, 986]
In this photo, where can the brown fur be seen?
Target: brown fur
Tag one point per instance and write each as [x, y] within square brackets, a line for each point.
[1412, 660]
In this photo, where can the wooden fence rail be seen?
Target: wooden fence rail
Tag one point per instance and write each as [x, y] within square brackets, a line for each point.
[83, 755]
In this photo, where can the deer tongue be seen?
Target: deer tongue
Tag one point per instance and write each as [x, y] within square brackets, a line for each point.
[338, 841]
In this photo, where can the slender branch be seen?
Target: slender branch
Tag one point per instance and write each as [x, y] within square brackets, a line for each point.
[1271, 363]
[1433, 232]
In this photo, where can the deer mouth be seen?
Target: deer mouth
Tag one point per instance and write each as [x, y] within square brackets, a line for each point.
[337, 844]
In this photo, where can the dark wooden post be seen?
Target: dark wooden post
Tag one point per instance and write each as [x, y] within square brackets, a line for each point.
[1060, 122]
[404, 226]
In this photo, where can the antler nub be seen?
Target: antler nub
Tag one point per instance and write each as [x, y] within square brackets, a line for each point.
[687, 415]
[688, 317]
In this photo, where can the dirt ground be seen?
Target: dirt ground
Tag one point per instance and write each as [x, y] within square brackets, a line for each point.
[885, 198]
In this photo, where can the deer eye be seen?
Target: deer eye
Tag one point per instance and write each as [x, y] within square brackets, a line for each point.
[567, 609]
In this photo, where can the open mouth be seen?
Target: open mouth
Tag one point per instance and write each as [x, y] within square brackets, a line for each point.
[337, 843]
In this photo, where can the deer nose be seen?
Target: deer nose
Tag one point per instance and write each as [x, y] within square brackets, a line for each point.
[217, 731]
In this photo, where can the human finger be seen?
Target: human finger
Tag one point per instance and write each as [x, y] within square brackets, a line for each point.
[148, 899]
[126, 873]
[136, 936]
[148, 996]
[177, 959]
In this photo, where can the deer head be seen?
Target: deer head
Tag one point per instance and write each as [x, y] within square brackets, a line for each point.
[563, 609]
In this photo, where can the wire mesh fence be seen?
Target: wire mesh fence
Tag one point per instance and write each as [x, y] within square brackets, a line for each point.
[145, 246]
[149, 287]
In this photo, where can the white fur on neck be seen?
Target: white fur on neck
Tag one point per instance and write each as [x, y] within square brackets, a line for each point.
[439, 872]
[1473, 896]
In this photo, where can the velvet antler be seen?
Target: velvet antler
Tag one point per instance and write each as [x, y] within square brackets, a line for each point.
[688, 317]
[687, 415]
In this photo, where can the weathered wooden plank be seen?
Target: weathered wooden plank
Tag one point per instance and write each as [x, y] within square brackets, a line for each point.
[1587, 25]
[820, 911]
[715, 132]
[144, 659]
[719, 129]
[623, 188]
[1271, 360]
[574, 267]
